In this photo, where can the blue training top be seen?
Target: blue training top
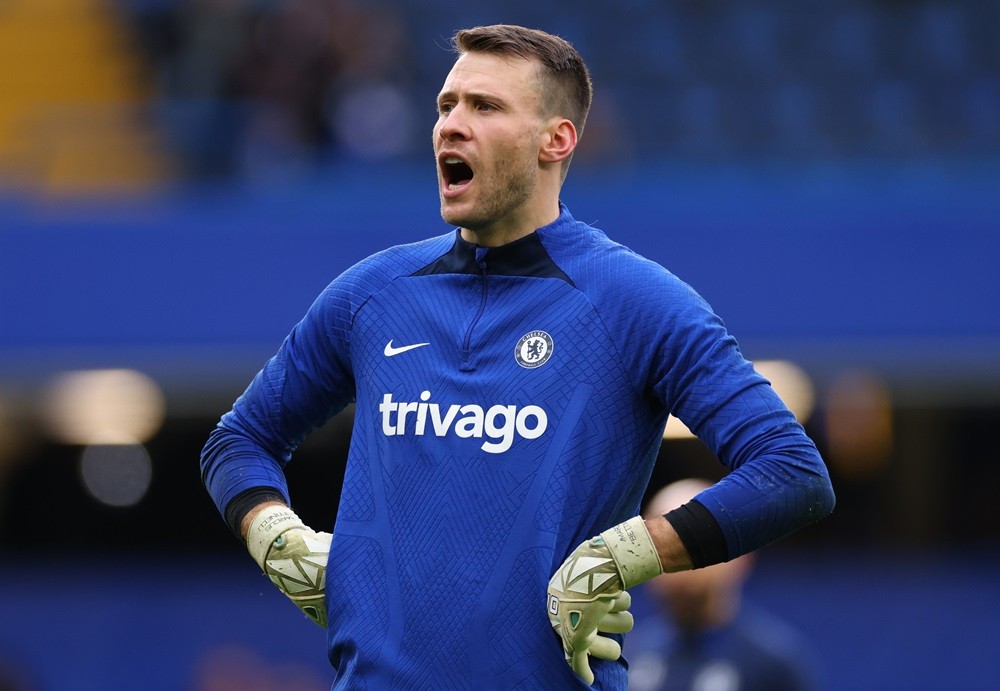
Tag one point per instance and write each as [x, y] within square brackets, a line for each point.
[510, 405]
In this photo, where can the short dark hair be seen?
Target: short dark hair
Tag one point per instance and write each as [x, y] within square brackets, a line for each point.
[566, 86]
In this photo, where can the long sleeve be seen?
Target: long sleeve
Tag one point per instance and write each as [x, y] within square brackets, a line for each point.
[681, 358]
[778, 482]
[306, 382]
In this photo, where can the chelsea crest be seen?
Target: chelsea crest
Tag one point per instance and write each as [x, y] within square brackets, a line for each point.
[534, 349]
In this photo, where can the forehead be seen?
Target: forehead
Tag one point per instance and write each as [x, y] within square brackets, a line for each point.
[507, 76]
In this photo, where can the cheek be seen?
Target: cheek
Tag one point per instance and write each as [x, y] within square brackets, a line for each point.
[517, 154]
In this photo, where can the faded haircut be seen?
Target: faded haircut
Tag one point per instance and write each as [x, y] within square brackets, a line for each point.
[566, 88]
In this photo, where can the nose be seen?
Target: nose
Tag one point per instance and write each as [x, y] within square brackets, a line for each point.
[453, 125]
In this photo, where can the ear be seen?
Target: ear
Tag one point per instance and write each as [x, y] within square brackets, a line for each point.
[558, 141]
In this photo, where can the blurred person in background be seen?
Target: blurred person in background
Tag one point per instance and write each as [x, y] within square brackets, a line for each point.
[512, 379]
[708, 638]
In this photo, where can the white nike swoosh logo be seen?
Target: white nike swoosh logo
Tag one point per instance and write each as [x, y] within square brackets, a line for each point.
[390, 350]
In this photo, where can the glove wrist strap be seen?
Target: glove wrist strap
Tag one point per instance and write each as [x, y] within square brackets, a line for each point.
[265, 528]
[633, 550]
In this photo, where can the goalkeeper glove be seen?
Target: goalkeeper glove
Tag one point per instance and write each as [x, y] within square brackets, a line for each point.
[293, 556]
[587, 594]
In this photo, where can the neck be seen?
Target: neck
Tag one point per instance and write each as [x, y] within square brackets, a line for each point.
[509, 230]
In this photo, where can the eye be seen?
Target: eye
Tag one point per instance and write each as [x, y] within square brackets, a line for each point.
[445, 108]
[485, 107]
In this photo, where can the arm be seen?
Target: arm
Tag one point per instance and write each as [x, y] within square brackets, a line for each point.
[669, 547]
[306, 382]
[777, 484]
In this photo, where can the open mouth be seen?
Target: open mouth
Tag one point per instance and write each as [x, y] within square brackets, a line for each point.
[456, 173]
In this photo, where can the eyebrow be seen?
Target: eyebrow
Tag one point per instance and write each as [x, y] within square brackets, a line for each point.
[474, 96]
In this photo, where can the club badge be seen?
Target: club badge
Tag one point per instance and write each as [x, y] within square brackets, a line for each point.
[534, 349]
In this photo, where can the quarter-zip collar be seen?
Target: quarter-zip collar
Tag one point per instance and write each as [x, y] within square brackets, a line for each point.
[525, 256]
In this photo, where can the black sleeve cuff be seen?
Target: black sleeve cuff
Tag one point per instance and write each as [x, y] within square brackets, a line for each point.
[700, 533]
[244, 501]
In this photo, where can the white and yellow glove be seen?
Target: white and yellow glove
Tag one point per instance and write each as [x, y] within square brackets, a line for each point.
[587, 594]
[293, 556]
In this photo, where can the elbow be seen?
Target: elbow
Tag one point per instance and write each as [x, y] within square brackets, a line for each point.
[209, 452]
[822, 498]
[217, 454]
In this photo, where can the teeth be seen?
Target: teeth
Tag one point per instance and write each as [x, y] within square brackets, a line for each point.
[451, 160]
[453, 186]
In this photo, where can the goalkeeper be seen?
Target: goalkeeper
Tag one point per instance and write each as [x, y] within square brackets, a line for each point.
[511, 380]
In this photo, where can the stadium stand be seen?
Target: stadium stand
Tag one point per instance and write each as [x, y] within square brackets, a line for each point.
[717, 79]
[71, 100]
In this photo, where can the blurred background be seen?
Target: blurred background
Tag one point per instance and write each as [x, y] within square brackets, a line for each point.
[180, 178]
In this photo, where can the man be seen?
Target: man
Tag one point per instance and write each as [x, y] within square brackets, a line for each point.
[708, 637]
[512, 379]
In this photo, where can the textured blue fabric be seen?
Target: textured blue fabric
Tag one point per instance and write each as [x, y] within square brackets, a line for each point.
[472, 475]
